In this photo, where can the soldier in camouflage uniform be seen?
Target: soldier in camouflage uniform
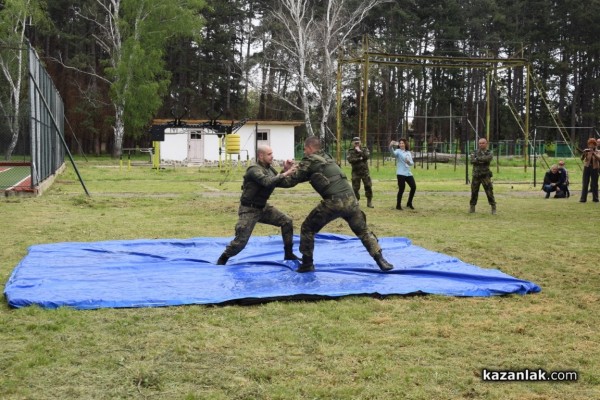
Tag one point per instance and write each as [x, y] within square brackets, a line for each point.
[359, 160]
[339, 201]
[482, 175]
[260, 181]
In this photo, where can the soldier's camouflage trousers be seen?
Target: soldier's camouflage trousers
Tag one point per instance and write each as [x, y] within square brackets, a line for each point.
[330, 209]
[249, 217]
[486, 181]
[363, 176]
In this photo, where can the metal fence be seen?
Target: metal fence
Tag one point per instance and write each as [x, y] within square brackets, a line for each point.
[39, 151]
[47, 122]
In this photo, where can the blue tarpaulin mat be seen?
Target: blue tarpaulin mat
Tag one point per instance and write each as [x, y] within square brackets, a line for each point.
[169, 272]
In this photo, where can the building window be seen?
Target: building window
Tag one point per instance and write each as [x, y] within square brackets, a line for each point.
[196, 136]
[262, 135]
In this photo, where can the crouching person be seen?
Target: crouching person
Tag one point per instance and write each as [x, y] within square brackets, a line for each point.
[554, 181]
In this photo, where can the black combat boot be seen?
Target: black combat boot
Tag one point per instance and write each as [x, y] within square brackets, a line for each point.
[382, 263]
[289, 254]
[307, 265]
[370, 203]
[223, 259]
[410, 199]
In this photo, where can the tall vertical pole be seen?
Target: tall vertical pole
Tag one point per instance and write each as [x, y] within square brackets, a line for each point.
[451, 130]
[488, 105]
[338, 155]
[425, 142]
[365, 96]
[527, 89]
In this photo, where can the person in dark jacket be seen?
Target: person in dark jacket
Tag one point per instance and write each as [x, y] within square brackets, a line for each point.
[563, 170]
[338, 201]
[260, 181]
[554, 181]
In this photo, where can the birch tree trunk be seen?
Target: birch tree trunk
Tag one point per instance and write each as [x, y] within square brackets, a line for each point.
[13, 65]
[312, 43]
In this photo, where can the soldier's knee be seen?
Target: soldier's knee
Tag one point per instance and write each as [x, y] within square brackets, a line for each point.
[308, 227]
[287, 225]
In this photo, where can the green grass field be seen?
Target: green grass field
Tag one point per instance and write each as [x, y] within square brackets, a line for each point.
[412, 347]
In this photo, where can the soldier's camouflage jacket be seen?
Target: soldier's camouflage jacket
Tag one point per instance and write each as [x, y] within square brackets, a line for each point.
[481, 160]
[259, 183]
[359, 160]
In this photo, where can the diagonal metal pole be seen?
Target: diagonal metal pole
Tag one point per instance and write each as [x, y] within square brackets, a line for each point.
[62, 139]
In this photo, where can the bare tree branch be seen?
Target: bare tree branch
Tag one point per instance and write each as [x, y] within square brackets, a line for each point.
[312, 43]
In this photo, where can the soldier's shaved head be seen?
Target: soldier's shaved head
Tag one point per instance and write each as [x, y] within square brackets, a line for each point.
[263, 149]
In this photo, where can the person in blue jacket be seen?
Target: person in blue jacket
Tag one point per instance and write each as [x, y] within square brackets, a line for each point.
[404, 161]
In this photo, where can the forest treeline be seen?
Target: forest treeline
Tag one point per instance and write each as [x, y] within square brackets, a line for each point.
[120, 63]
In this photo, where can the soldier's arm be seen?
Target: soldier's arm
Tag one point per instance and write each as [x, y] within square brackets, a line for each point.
[366, 153]
[353, 156]
[474, 159]
[301, 174]
[546, 179]
[485, 157]
[259, 176]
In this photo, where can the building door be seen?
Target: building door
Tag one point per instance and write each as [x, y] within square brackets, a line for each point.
[196, 148]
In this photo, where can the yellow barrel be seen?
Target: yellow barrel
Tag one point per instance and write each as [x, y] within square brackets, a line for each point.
[233, 143]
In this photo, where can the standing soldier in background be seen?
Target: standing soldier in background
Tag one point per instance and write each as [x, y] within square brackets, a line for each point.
[482, 175]
[327, 178]
[358, 158]
[260, 181]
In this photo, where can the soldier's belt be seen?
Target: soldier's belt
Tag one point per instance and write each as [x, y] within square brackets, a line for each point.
[251, 205]
[339, 196]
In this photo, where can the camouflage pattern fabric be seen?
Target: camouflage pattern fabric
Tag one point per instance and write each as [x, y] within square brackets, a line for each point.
[321, 163]
[360, 171]
[249, 217]
[482, 175]
[487, 186]
[481, 160]
[346, 207]
[259, 183]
